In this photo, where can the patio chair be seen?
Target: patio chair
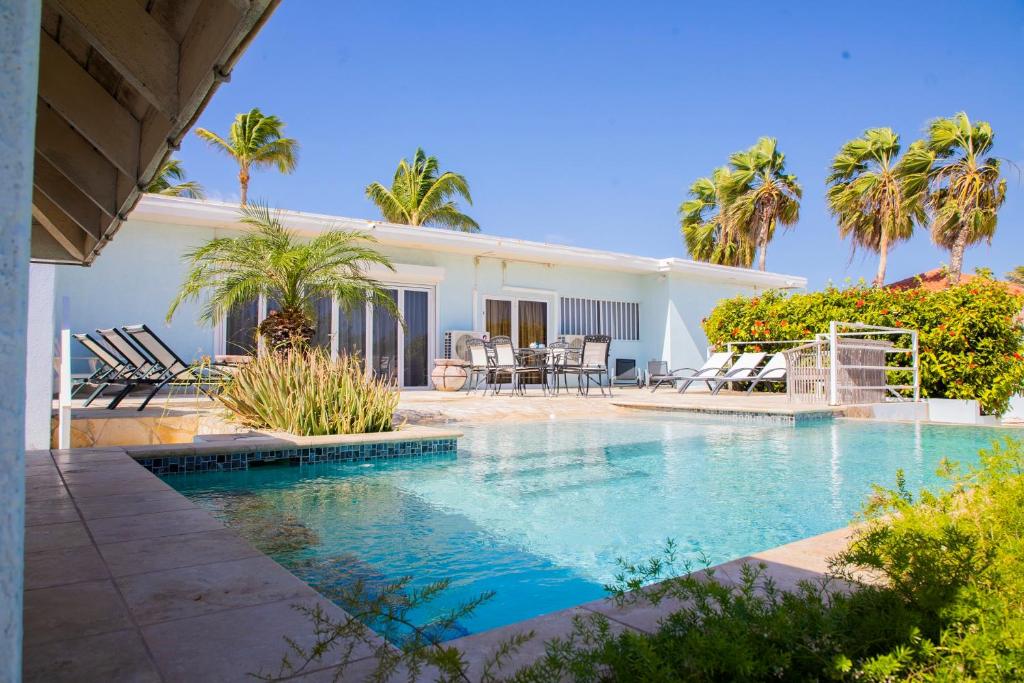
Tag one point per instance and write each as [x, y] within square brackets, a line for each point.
[480, 370]
[713, 367]
[559, 355]
[172, 368]
[112, 368]
[593, 362]
[744, 369]
[506, 363]
[773, 371]
[145, 367]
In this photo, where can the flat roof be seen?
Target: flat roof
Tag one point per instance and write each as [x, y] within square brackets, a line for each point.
[194, 212]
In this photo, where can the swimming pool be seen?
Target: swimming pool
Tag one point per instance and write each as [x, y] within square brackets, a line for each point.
[539, 512]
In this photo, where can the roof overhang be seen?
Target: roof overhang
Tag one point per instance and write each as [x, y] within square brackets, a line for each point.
[191, 212]
[120, 83]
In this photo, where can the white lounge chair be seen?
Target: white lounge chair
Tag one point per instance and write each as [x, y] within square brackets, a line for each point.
[743, 370]
[713, 367]
[772, 371]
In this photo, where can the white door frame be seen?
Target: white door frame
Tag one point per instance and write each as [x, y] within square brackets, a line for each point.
[514, 300]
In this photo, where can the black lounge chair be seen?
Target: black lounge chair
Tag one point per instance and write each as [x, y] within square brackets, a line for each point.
[112, 368]
[172, 369]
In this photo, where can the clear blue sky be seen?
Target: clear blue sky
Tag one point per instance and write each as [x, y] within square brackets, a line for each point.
[584, 122]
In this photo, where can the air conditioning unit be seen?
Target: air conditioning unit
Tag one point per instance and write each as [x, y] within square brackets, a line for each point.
[575, 341]
[455, 343]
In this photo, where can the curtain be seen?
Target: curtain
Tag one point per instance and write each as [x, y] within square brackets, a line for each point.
[240, 329]
[499, 318]
[533, 323]
[415, 351]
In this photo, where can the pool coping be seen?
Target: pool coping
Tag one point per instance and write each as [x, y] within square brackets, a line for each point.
[100, 573]
[787, 414]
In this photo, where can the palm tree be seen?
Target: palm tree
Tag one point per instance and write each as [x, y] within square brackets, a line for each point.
[869, 196]
[1016, 276]
[760, 194]
[964, 187]
[272, 262]
[255, 141]
[704, 222]
[170, 180]
[420, 195]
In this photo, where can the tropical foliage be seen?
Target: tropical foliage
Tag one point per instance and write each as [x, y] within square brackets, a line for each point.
[709, 234]
[271, 261]
[761, 194]
[420, 194]
[953, 164]
[306, 392]
[1016, 276]
[971, 335]
[170, 180]
[869, 196]
[938, 584]
[255, 140]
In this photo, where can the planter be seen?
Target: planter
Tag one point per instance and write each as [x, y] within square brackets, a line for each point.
[449, 374]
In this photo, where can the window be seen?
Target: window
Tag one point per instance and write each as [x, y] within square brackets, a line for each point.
[617, 319]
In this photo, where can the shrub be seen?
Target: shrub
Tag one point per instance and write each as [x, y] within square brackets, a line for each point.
[971, 337]
[947, 602]
[308, 393]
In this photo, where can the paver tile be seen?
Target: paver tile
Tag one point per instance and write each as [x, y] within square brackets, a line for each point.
[171, 552]
[111, 658]
[131, 504]
[63, 565]
[50, 536]
[73, 611]
[131, 528]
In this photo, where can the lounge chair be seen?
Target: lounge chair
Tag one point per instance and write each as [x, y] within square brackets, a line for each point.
[593, 362]
[145, 366]
[713, 367]
[744, 369]
[112, 369]
[773, 371]
[172, 369]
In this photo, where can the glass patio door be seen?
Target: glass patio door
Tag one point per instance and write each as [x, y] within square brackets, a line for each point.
[400, 355]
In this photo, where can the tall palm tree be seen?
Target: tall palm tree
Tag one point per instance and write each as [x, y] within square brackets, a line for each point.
[255, 141]
[271, 261]
[761, 194]
[708, 234]
[421, 195]
[964, 184]
[1016, 276]
[170, 180]
[869, 196]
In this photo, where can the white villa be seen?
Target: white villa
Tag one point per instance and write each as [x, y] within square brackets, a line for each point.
[444, 281]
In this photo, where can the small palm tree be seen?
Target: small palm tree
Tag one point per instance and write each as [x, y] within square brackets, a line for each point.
[170, 180]
[255, 141]
[708, 234]
[760, 194]
[1016, 276]
[420, 195]
[869, 196]
[272, 262]
[963, 184]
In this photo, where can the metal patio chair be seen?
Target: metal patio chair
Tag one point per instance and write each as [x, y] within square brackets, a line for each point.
[593, 362]
[480, 367]
[112, 369]
[505, 362]
[713, 367]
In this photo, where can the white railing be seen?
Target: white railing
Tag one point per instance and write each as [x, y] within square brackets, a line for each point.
[852, 364]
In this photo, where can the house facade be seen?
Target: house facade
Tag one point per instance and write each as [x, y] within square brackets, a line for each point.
[443, 282]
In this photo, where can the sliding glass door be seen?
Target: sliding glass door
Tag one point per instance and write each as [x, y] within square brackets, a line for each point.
[524, 320]
[399, 354]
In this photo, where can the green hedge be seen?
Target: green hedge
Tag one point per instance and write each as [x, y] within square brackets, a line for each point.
[971, 341]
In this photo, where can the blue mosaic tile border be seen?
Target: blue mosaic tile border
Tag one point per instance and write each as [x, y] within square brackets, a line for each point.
[359, 452]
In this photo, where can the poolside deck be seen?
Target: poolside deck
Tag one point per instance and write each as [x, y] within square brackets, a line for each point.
[128, 580]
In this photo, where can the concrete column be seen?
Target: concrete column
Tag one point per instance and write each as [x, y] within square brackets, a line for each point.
[39, 384]
[19, 76]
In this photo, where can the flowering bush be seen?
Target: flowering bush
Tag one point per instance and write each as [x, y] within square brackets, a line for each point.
[971, 336]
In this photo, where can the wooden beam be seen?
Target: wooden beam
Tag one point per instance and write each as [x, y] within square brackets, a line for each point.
[134, 42]
[87, 106]
[76, 159]
[61, 228]
[62, 192]
[207, 45]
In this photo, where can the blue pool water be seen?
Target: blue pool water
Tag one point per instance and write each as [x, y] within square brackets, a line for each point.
[539, 512]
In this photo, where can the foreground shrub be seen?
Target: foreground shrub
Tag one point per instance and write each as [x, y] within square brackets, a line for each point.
[308, 393]
[971, 341]
[946, 602]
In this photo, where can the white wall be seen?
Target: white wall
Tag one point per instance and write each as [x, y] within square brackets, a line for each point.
[141, 270]
[39, 366]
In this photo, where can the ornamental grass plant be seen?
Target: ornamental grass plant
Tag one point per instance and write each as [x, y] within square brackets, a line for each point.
[307, 393]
